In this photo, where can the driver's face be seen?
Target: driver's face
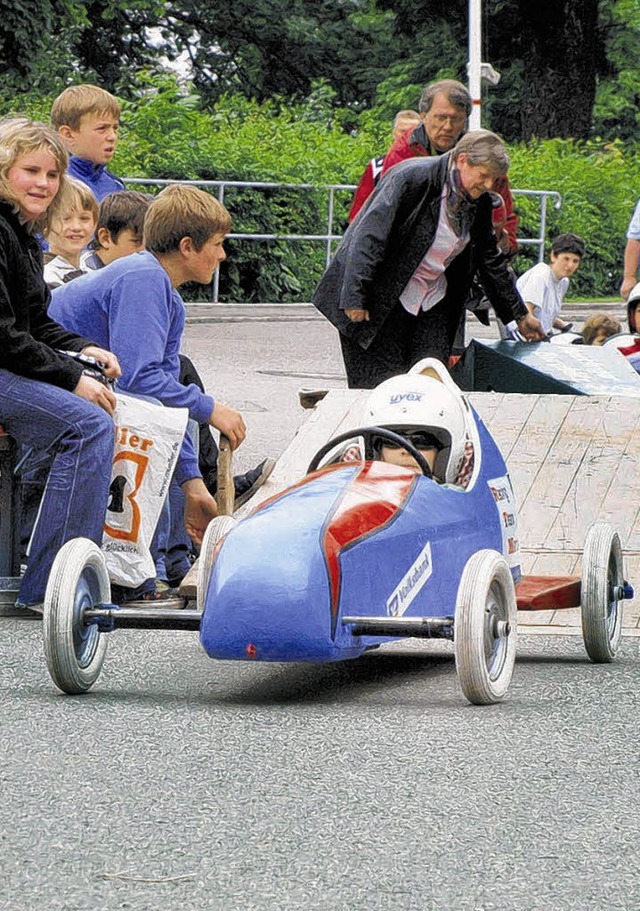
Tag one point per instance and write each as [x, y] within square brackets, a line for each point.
[402, 458]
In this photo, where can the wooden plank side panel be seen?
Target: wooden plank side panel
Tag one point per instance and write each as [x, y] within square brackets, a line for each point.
[527, 459]
[598, 493]
[632, 574]
[553, 487]
[505, 417]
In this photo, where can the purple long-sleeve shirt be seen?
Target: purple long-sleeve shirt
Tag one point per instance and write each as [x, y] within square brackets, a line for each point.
[134, 311]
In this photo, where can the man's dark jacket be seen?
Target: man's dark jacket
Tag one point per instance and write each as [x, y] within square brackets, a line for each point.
[386, 243]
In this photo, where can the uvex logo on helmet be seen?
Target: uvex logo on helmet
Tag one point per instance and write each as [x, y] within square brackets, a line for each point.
[406, 397]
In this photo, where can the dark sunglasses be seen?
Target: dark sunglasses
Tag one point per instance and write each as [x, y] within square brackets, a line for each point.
[418, 438]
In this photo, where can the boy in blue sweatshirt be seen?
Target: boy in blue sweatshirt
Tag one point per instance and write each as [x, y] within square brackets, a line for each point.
[135, 303]
[88, 120]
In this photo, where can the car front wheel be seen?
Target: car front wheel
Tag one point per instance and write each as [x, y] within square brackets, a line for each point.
[485, 628]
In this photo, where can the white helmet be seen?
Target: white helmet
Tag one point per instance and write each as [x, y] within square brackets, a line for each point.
[632, 302]
[414, 401]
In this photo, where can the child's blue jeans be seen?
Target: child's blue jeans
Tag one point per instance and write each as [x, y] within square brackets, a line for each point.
[80, 436]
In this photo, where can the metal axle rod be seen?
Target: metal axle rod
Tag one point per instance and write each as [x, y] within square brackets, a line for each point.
[417, 627]
[110, 618]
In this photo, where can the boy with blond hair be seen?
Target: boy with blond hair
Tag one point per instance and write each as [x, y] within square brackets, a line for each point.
[135, 303]
[88, 120]
[599, 327]
[69, 234]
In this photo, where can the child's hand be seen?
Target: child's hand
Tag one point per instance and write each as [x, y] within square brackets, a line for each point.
[229, 422]
[108, 358]
[531, 328]
[96, 392]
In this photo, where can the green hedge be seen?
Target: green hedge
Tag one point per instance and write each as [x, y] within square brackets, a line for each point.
[600, 185]
[167, 135]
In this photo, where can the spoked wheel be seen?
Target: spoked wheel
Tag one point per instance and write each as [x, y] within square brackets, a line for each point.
[485, 628]
[602, 581]
[75, 650]
[216, 530]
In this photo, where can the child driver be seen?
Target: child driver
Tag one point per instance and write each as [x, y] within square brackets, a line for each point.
[428, 446]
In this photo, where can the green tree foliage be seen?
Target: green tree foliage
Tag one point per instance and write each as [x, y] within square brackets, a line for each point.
[568, 66]
[166, 135]
[599, 184]
[266, 47]
[30, 50]
[617, 107]
[169, 134]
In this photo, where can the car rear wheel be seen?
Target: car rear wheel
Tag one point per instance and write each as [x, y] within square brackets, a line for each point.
[75, 650]
[485, 628]
[216, 531]
[601, 601]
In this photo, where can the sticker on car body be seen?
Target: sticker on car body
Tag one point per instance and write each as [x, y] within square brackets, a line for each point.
[411, 583]
[502, 492]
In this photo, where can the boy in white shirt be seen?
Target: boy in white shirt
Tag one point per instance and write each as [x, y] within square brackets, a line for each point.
[543, 287]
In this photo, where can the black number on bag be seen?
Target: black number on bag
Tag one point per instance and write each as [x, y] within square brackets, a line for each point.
[116, 494]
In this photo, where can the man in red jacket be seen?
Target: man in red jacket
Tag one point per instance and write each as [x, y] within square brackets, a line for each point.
[445, 107]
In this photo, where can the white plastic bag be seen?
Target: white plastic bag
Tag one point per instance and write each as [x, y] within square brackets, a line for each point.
[148, 442]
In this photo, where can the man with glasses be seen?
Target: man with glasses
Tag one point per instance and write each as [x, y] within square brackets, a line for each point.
[444, 109]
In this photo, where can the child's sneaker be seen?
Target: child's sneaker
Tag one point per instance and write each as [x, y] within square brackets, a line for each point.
[247, 484]
[160, 596]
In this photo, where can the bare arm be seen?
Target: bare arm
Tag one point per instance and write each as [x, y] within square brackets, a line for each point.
[631, 259]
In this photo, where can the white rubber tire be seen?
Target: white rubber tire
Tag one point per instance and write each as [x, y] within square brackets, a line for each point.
[485, 628]
[74, 650]
[602, 570]
[216, 531]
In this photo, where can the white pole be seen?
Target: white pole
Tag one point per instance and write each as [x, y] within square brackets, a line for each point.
[474, 65]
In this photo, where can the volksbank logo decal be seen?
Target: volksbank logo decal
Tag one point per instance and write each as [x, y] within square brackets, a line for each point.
[410, 584]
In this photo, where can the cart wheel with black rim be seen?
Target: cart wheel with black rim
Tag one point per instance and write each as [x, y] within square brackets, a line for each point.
[485, 628]
[601, 597]
[75, 650]
[216, 531]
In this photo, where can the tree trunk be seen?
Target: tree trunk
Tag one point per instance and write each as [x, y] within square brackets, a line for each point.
[560, 45]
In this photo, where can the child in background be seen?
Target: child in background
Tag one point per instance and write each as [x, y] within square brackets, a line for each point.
[69, 234]
[598, 328]
[119, 229]
[88, 120]
[630, 344]
[543, 287]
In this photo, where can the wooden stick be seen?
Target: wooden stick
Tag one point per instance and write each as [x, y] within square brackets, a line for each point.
[225, 494]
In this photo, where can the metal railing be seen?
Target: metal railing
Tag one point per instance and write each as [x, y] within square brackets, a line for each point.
[330, 235]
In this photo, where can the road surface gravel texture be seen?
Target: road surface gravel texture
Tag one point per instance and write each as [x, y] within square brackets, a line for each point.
[184, 784]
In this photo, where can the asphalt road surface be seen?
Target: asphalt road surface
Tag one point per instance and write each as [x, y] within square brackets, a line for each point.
[184, 783]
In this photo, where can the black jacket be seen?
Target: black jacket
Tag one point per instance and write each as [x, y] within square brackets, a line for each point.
[28, 337]
[383, 247]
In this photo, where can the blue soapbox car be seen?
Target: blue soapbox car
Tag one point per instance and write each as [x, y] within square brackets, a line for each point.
[358, 553]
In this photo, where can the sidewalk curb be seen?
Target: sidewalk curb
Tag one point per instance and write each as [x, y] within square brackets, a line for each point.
[203, 312]
[208, 312]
